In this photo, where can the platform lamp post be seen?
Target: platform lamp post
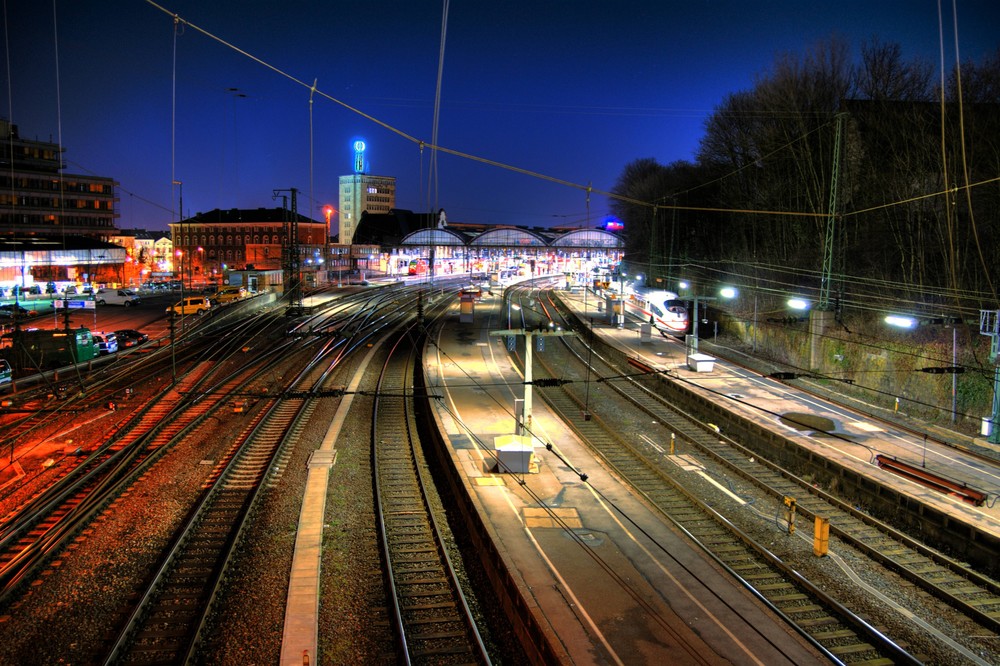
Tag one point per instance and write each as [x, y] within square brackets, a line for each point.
[724, 292]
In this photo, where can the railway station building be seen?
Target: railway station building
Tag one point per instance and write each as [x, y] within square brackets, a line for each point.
[427, 244]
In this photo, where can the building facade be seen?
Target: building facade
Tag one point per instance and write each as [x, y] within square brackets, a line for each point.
[361, 193]
[207, 245]
[38, 199]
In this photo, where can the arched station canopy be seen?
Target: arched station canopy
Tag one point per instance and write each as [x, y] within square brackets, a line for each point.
[513, 237]
[438, 237]
[580, 238]
[509, 237]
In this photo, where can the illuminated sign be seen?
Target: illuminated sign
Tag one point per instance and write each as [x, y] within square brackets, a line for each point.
[613, 224]
[359, 156]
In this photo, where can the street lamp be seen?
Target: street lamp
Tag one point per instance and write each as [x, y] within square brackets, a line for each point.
[796, 303]
[180, 257]
[201, 264]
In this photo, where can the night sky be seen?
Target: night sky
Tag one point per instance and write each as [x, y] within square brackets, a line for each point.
[572, 91]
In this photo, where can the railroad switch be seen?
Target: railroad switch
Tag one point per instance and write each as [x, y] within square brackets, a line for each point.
[790, 514]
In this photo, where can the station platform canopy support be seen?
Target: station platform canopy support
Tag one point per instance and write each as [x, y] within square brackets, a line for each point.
[523, 430]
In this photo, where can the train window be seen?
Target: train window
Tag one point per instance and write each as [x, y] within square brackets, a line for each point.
[656, 309]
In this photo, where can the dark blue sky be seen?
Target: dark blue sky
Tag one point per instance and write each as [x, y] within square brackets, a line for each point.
[570, 90]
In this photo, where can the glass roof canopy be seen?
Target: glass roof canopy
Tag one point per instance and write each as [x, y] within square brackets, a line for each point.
[513, 237]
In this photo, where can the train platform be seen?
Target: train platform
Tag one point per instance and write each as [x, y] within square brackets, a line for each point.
[859, 435]
[604, 578]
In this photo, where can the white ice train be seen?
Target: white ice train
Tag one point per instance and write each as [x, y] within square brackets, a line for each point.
[660, 308]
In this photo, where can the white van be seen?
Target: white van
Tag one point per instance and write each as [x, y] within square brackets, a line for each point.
[124, 297]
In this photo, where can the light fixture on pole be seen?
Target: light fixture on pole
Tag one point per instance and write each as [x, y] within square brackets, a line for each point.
[724, 292]
[954, 370]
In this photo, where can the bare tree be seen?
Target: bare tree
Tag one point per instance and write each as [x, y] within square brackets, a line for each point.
[884, 75]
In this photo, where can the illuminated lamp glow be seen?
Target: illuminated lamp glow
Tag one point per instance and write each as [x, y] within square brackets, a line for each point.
[728, 292]
[902, 322]
[798, 303]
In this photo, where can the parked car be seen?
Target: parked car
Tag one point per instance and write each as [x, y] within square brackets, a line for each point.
[70, 290]
[130, 338]
[124, 297]
[229, 294]
[107, 343]
[30, 290]
[10, 309]
[191, 305]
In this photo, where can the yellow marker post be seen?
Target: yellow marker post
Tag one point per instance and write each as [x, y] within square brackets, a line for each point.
[790, 514]
[821, 536]
[672, 443]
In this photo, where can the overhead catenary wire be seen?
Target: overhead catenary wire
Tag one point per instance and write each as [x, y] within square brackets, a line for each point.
[435, 149]
[964, 155]
[431, 145]
[433, 182]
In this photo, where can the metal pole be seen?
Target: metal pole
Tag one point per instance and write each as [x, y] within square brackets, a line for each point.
[695, 330]
[526, 420]
[954, 375]
[694, 337]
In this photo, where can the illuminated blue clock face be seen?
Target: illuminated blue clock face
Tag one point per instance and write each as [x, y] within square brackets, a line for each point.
[359, 156]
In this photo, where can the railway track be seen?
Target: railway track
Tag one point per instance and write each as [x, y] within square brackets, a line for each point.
[36, 532]
[168, 621]
[432, 620]
[953, 582]
[832, 628]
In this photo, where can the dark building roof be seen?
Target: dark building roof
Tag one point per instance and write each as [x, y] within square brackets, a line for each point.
[390, 228]
[248, 215]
